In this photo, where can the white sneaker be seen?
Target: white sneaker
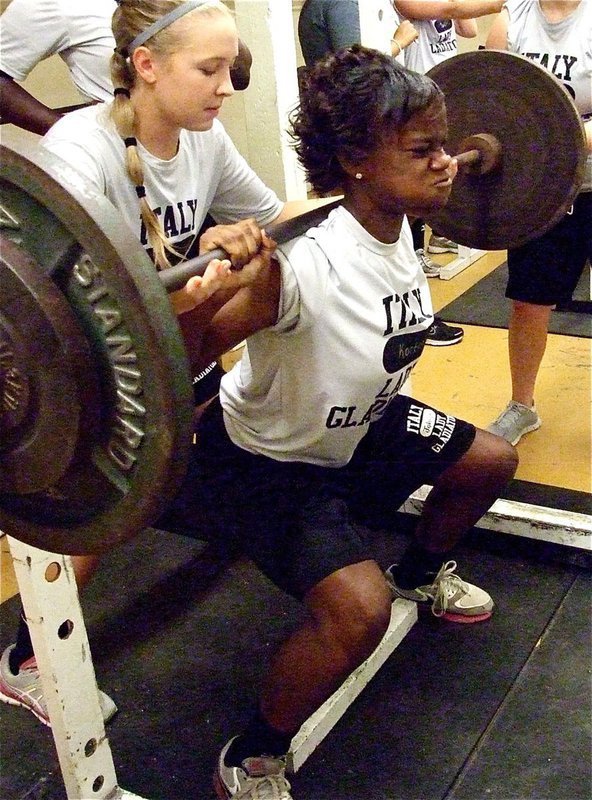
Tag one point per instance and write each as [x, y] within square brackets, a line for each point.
[429, 267]
[259, 778]
[25, 690]
[451, 598]
[515, 420]
[440, 244]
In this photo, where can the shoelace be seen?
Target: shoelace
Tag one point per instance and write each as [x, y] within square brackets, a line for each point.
[268, 787]
[510, 415]
[446, 584]
[425, 262]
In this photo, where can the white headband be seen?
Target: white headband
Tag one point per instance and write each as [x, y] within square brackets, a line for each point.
[163, 22]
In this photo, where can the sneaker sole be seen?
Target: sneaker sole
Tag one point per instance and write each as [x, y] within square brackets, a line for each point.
[221, 791]
[441, 251]
[434, 343]
[13, 701]
[425, 607]
[530, 429]
[464, 619]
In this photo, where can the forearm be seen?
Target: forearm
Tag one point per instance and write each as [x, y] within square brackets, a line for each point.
[467, 28]
[20, 108]
[497, 38]
[404, 35]
[447, 9]
[194, 324]
[229, 316]
[233, 324]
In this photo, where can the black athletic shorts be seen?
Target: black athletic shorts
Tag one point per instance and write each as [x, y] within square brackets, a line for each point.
[207, 384]
[546, 270]
[297, 521]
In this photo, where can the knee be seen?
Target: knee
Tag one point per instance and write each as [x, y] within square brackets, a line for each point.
[506, 457]
[489, 463]
[357, 616]
[524, 313]
[363, 630]
[502, 457]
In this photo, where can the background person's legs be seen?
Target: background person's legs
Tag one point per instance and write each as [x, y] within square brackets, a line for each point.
[541, 273]
[20, 681]
[527, 340]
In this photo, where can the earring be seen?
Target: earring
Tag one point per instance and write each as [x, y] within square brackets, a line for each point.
[358, 176]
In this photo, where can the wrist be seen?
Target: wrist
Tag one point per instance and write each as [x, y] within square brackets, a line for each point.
[399, 48]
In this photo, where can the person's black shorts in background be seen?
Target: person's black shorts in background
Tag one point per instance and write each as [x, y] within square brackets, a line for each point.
[296, 521]
[546, 271]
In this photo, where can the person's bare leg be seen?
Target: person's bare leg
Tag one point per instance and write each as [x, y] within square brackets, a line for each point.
[527, 341]
[465, 491]
[84, 568]
[349, 613]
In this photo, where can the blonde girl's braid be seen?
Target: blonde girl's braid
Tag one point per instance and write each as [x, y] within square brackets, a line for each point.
[132, 20]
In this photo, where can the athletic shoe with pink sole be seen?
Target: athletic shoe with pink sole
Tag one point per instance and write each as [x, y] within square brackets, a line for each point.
[450, 597]
[25, 689]
[258, 778]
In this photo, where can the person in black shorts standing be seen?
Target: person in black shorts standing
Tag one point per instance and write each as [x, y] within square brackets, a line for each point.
[544, 272]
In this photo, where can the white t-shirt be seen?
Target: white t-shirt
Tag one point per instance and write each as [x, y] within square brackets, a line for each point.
[207, 174]
[436, 42]
[351, 324]
[563, 48]
[379, 25]
[78, 30]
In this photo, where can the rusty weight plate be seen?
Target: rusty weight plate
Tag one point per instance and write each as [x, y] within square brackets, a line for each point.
[47, 376]
[127, 465]
[543, 149]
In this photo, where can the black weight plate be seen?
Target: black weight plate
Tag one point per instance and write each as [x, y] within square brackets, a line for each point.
[45, 361]
[129, 465]
[543, 149]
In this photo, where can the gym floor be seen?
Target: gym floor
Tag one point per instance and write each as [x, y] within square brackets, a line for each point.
[496, 711]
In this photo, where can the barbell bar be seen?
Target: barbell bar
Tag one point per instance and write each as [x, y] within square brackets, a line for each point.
[176, 277]
[95, 387]
[480, 159]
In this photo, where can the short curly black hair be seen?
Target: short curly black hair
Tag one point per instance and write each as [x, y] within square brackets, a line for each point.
[346, 101]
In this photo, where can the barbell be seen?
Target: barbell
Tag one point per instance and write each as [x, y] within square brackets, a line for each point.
[95, 388]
